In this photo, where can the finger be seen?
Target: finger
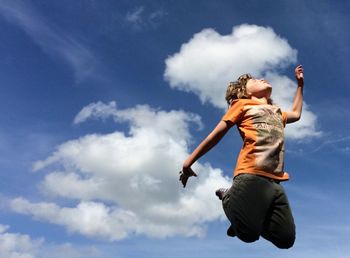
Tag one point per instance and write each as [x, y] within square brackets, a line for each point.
[299, 71]
[182, 177]
[184, 181]
[181, 174]
[298, 68]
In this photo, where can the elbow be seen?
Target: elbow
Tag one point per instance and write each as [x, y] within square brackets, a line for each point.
[294, 117]
[297, 117]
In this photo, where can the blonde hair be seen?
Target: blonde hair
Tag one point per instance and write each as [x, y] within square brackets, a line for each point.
[237, 89]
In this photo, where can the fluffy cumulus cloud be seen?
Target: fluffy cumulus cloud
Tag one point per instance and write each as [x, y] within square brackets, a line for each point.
[15, 245]
[208, 61]
[126, 183]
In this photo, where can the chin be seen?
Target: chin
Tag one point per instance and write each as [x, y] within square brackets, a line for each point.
[269, 88]
[269, 91]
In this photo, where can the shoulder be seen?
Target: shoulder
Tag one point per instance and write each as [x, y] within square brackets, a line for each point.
[235, 111]
[240, 103]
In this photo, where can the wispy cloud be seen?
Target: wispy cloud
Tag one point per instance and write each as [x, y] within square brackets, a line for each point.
[52, 40]
[140, 18]
[97, 110]
[341, 144]
[135, 16]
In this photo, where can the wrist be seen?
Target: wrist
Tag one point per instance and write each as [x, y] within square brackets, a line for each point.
[300, 82]
[187, 164]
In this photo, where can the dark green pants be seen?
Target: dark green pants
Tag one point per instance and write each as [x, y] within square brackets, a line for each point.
[257, 206]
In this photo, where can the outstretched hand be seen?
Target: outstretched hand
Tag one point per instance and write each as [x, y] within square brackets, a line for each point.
[186, 173]
[299, 75]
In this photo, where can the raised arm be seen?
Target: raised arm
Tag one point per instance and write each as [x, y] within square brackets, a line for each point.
[209, 142]
[295, 113]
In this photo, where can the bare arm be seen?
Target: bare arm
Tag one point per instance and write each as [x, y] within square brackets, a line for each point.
[209, 142]
[295, 114]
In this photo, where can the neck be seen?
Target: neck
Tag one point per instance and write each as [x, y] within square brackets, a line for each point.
[262, 100]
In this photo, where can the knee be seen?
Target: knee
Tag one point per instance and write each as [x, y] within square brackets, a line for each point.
[285, 242]
[248, 237]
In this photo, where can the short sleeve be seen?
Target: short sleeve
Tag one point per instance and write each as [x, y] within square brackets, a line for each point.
[284, 118]
[235, 112]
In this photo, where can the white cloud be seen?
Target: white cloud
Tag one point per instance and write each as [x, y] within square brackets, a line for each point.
[88, 218]
[127, 183]
[15, 245]
[208, 61]
[53, 41]
[97, 110]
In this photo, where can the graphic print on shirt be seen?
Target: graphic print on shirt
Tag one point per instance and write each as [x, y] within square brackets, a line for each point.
[268, 123]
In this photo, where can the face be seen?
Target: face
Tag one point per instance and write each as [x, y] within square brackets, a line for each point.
[258, 88]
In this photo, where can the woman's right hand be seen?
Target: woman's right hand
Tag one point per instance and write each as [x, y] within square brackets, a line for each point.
[186, 173]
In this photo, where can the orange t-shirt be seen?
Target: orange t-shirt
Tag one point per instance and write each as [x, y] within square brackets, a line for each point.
[261, 127]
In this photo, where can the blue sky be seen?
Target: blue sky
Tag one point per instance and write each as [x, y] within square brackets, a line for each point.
[103, 100]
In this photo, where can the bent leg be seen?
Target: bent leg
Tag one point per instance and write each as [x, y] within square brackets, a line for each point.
[279, 226]
[246, 204]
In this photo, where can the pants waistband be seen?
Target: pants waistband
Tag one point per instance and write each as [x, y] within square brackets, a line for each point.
[265, 177]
